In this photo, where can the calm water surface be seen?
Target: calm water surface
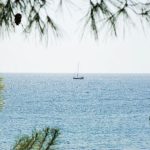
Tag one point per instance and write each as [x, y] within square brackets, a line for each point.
[101, 112]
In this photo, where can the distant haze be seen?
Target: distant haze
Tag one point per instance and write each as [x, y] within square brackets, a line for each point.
[109, 55]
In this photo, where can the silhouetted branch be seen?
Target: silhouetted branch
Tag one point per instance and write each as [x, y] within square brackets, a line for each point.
[39, 140]
[38, 15]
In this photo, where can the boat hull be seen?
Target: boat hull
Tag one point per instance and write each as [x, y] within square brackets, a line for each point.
[78, 78]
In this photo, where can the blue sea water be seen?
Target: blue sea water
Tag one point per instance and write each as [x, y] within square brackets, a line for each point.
[101, 112]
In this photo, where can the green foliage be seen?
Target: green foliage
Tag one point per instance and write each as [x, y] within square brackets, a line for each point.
[39, 140]
[37, 14]
[34, 15]
[1, 84]
[109, 14]
[1, 96]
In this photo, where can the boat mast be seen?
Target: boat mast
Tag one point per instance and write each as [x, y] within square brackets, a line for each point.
[78, 70]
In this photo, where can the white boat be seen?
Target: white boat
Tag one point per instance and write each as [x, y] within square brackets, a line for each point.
[77, 75]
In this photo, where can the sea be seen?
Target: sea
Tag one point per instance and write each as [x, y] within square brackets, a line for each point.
[101, 112]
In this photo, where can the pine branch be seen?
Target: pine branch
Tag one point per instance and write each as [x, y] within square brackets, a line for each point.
[39, 140]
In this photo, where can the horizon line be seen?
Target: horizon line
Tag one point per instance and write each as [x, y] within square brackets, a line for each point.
[74, 73]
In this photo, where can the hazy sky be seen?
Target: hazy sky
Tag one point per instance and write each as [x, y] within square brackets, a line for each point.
[109, 55]
[115, 55]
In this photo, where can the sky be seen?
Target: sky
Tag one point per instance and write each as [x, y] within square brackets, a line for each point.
[128, 54]
[116, 55]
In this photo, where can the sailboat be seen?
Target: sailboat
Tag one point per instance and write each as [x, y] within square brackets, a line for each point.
[77, 75]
